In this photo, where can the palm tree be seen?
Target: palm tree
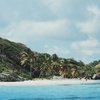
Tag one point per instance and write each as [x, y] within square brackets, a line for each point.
[33, 60]
[45, 61]
[31, 66]
[2, 52]
[23, 61]
[74, 73]
[27, 60]
[24, 58]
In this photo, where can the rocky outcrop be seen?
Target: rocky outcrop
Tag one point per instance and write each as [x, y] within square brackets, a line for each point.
[6, 77]
[96, 77]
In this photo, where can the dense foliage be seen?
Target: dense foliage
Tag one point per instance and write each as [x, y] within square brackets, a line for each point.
[17, 62]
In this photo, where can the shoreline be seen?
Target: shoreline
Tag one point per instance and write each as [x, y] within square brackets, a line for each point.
[39, 82]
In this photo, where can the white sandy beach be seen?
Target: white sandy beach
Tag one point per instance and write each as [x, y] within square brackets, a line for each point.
[47, 82]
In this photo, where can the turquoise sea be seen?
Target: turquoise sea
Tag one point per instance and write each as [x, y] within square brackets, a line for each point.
[51, 92]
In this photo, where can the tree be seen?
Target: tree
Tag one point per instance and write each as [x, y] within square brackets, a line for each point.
[27, 60]
[97, 68]
[54, 57]
[74, 73]
[24, 58]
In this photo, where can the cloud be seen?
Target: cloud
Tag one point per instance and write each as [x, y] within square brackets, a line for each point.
[59, 50]
[87, 47]
[94, 10]
[36, 29]
[55, 5]
[88, 27]
[86, 44]
[92, 25]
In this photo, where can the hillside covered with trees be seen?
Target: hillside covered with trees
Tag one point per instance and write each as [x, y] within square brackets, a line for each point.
[18, 63]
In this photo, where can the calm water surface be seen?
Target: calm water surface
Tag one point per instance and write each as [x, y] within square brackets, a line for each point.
[53, 92]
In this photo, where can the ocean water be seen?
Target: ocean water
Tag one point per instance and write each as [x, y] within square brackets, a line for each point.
[51, 92]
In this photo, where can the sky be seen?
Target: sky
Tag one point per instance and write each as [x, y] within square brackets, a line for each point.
[69, 28]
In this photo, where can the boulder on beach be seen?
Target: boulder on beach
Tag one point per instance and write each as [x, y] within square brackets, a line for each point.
[6, 77]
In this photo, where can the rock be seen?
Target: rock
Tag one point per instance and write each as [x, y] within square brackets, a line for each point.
[96, 77]
[10, 77]
[57, 77]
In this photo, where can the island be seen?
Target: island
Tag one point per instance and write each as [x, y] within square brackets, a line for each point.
[20, 63]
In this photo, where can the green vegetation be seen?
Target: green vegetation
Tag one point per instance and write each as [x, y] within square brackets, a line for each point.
[17, 63]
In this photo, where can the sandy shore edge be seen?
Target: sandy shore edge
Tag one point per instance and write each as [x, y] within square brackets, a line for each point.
[47, 82]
